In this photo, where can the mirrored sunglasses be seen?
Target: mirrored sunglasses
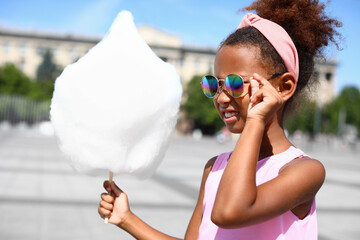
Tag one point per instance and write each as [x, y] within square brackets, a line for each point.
[233, 84]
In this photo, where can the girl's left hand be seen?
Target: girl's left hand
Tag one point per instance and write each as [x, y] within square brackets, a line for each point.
[114, 204]
[265, 100]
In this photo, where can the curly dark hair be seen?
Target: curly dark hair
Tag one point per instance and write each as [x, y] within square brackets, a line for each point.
[306, 23]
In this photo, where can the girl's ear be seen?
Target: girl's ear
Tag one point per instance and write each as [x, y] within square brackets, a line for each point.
[286, 85]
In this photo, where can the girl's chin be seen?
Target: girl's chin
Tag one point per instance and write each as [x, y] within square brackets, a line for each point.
[235, 128]
[236, 131]
[235, 124]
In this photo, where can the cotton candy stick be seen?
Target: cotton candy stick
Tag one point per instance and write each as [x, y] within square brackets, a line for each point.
[110, 180]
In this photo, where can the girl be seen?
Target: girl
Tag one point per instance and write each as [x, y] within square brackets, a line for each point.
[265, 188]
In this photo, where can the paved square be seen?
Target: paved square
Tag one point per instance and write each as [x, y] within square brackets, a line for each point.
[41, 197]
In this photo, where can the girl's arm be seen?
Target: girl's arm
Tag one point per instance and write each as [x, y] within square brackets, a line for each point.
[239, 202]
[115, 205]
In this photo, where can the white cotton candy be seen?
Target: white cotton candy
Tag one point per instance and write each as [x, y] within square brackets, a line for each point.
[115, 109]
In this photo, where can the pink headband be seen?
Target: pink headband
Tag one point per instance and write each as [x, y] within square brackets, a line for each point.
[278, 37]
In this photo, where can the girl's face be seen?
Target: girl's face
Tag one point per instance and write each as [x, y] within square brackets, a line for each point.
[243, 61]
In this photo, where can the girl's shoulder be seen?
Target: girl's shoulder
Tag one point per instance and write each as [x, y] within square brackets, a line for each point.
[308, 172]
[214, 163]
[220, 161]
[210, 164]
[305, 162]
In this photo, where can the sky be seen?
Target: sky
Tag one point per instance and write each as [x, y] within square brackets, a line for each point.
[200, 23]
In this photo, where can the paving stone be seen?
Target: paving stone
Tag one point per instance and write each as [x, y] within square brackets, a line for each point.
[41, 197]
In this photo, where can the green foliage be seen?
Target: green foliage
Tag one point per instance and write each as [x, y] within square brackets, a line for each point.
[41, 90]
[201, 109]
[19, 95]
[302, 119]
[349, 102]
[47, 70]
[13, 81]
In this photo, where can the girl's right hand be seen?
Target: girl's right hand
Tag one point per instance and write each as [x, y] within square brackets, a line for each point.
[114, 204]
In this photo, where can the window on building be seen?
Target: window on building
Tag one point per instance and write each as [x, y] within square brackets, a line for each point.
[210, 67]
[181, 62]
[6, 47]
[196, 63]
[22, 65]
[73, 54]
[40, 50]
[23, 49]
[54, 51]
[328, 76]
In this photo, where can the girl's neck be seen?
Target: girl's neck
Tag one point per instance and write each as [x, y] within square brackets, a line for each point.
[274, 140]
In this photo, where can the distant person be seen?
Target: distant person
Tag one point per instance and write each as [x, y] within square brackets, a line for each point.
[266, 187]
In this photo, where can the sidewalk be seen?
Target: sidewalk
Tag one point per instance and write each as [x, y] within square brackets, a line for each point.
[41, 197]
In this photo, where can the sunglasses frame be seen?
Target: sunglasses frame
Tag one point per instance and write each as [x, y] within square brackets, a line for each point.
[220, 87]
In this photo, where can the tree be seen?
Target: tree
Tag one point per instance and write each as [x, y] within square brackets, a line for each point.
[41, 90]
[347, 102]
[303, 118]
[201, 109]
[47, 70]
[13, 81]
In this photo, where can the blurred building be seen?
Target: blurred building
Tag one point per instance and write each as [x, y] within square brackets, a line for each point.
[324, 90]
[26, 48]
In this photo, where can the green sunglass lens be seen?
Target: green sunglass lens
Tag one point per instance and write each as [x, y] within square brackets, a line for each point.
[234, 85]
[209, 85]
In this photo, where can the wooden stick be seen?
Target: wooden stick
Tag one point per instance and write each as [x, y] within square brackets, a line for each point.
[111, 174]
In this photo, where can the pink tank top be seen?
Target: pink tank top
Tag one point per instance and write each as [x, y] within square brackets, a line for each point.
[286, 226]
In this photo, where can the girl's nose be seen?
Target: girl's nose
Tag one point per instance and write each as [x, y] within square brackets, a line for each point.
[223, 98]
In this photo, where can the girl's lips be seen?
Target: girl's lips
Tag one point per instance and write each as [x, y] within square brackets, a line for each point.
[230, 116]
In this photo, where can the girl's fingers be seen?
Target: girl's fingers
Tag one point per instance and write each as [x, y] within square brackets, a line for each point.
[261, 79]
[257, 97]
[254, 89]
[106, 205]
[107, 186]
[112, 187]
[101, 215]
[254, 86]
[104, 212]
[115, 189]
[263, 82]
[108, 198]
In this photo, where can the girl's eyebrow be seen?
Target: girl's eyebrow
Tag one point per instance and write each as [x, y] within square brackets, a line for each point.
[244, 77]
